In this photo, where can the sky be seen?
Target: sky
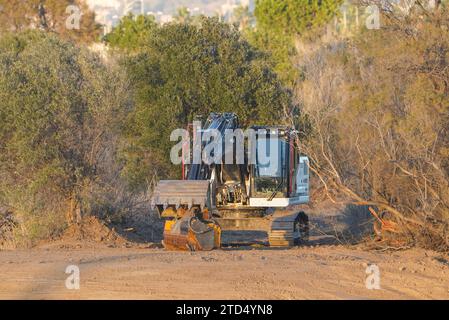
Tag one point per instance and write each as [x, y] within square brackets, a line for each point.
[112, 3]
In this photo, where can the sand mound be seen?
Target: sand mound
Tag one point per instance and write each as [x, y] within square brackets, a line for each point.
[93, 230]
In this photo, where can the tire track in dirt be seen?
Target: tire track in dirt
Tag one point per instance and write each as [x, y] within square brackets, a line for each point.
[327, 272]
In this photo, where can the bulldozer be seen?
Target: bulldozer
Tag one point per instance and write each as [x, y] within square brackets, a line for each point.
[246, 193]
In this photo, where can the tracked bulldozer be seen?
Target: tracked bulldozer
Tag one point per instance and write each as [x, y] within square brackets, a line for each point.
[249, 193]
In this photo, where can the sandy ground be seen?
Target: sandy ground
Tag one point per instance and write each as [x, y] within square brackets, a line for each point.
[325, 272]
[111, 267]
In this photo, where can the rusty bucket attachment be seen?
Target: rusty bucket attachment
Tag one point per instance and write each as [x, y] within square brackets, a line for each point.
[190, 233]
[186, 205]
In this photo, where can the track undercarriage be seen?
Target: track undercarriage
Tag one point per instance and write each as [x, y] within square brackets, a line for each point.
[284, 227]
[197, 230]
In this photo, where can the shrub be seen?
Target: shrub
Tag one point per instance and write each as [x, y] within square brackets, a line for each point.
[60, 110]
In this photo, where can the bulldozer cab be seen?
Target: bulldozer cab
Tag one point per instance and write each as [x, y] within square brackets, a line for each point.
[280, 175]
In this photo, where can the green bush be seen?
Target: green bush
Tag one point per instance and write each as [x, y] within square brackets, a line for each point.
[60, 108]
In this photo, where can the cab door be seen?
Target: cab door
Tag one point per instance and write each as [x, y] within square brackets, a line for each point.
[303, 179]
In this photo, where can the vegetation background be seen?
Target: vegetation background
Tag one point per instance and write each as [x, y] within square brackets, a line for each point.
[81, 135]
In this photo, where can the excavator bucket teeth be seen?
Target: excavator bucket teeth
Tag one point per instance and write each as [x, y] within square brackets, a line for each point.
[181, 192]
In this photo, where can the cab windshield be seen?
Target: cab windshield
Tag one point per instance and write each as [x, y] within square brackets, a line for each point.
[270, 170]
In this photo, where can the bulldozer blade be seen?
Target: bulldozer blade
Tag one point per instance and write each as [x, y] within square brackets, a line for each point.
[181, 193]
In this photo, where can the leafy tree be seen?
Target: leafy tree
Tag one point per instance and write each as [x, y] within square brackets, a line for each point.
[281, 51]
[183, 15]
[49, 15]
[59, 108]
[132, 33]
[280, 22]
[295, 17]
[243, 17]
[187, 70]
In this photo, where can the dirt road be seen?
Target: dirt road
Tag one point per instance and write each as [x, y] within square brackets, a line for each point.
[326, 272]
